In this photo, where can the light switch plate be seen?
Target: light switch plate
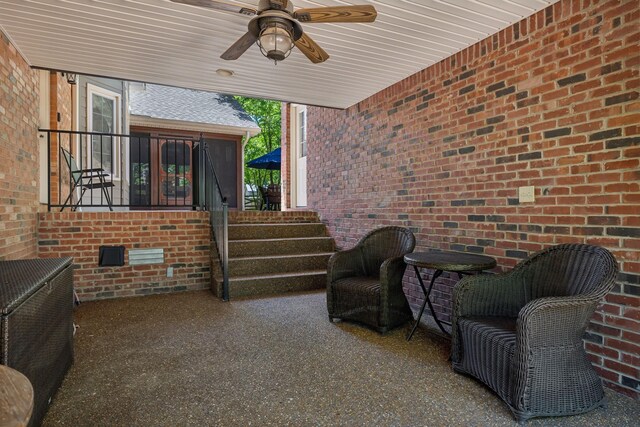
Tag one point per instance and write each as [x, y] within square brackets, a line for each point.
[526, 194]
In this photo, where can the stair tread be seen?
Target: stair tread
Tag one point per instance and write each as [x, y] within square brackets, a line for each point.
[279, 275]
[277, 239]
[273, 224]
[261, 257]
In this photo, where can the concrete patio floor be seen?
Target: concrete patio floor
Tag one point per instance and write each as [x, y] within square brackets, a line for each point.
[190, 359]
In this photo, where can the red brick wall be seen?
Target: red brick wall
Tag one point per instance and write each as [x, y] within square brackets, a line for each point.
[19, 156]
[60, 117]
[184, 236]
[552, 102]
[285, 166]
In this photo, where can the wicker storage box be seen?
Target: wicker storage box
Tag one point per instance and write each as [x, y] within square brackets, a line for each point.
[36, 324]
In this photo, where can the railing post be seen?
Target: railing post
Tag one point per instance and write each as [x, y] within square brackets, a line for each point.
[225, 251]
[202, 175]
[49, 171]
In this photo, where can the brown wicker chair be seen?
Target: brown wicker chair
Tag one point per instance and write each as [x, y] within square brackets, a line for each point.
[270, 197]
[364, 284]
[521, 332]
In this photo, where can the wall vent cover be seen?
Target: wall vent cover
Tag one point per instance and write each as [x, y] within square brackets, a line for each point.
[146, 256]
[111, 256]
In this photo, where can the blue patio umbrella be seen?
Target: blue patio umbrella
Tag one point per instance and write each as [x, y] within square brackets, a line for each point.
[269, 161]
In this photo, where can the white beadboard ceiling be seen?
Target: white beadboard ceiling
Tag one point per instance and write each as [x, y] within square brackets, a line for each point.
[158, 41]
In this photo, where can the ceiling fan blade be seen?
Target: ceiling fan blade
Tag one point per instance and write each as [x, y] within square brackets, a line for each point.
[311, 49]
[218, 5]
[365, 13]
[239, 47]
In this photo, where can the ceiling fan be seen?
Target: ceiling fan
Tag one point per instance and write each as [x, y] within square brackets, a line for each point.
[276, 28]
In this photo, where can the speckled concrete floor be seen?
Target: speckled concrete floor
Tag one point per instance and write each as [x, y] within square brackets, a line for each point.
[189, 359]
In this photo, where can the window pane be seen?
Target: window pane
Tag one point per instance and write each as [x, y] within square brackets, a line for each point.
[302, 133]
[102, 152]
[103, 120]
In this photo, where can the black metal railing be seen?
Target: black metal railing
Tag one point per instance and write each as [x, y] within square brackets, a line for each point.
[108, 170]
[218, 208]
[137, 171]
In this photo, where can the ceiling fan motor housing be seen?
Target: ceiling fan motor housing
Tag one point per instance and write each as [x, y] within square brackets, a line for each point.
[258, 23]
[283, 5]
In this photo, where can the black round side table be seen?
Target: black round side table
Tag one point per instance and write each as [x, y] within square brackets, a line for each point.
[458, 262]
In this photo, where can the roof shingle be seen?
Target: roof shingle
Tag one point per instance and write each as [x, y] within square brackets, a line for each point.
[187, 105]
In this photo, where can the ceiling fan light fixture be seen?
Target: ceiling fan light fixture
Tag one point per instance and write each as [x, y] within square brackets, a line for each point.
[276, 40]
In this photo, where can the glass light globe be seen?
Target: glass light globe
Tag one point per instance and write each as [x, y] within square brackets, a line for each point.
[275, 42]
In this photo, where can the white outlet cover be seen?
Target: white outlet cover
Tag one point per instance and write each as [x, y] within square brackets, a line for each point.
[526, 194]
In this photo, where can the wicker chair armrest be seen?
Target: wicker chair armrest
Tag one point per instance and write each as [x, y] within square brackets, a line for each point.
[392, 271]
[555, 321]
[347, 263]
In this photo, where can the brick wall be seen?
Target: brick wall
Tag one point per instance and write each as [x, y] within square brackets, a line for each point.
[60, 118]
[285, 165]
[184, 236]
[551, 102]
[18, 155]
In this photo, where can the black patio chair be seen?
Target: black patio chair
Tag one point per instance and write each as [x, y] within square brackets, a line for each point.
[364, 284]
[85, 179]
[521, 332]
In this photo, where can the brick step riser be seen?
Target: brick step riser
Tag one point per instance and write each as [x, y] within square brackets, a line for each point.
[275, 286]
[280, 247]
[263, 231]
[255, 267]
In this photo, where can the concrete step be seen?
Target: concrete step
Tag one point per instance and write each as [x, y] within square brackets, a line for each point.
[286, 246]
[277, 264]
[277, 283]
[272, 217]
[273, 231]
[274, 257]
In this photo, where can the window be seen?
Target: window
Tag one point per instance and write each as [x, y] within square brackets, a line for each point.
[103, 115]
[302, 133]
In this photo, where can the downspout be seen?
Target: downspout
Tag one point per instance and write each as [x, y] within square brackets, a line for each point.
[247, 136]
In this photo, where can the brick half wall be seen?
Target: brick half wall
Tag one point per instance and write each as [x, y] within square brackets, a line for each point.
[184, 236]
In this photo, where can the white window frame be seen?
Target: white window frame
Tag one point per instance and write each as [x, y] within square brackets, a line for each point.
[117, 99]
[294, 114]
[301, 133]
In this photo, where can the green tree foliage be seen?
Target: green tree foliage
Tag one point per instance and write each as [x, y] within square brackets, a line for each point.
[267, 114]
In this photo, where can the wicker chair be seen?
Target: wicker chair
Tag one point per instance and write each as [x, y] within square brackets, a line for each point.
[521, 332]
[364, 284]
